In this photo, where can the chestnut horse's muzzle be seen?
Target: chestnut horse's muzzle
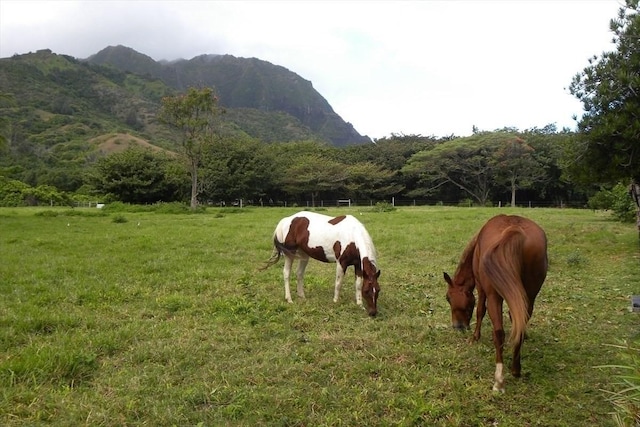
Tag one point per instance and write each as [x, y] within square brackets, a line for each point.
[459, 326]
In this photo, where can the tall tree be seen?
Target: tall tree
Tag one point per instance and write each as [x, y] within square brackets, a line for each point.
[138, 175]
[478, 165]
[466, 163]
[196, 114]
[313, 174]
[517, 166]
[239, 169]
[609, 88]
[369, 180]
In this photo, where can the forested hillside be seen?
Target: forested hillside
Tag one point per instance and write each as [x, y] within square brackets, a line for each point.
[57, 112]
[247, 83]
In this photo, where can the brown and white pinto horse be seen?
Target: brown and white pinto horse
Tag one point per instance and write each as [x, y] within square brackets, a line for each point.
[505, 261]
[342, 239]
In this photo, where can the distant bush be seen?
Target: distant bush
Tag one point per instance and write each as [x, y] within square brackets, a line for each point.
[160, 207]
[173, 208]
[383, 207]
[617, 200]
[84, 212]
[47, 213]
[119, 219]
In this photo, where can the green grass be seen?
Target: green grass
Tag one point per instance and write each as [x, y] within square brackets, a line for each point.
[141, 318]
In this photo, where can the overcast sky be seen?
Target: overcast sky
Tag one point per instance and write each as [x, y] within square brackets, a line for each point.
[413, 67]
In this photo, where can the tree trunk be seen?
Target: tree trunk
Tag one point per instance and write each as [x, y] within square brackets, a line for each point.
[513, 194]
[194, 186]
[634, 191]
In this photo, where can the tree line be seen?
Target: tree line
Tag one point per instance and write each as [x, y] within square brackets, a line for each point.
[487, 167]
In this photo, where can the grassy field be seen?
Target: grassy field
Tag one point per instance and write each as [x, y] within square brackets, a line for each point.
[164, 319]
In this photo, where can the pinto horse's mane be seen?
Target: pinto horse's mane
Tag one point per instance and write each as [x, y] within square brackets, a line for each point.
[365, 243]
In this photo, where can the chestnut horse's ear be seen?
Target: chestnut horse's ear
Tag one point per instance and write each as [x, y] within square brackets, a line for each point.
[447, 278]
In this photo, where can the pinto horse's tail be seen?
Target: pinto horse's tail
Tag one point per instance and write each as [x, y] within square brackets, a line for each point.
[503, 264]
[275, 255]
[279, 249]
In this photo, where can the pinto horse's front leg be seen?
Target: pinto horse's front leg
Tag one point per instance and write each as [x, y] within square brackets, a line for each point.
[339, 278]
[359, 290]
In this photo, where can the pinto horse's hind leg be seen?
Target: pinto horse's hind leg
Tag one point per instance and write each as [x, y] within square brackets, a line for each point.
[302, 265]
[286, 273]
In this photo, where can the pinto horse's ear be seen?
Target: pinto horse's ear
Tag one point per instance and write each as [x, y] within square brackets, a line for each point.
[378, 274]
[447, 279]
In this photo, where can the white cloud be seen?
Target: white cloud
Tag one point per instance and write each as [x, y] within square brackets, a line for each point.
[424, 67]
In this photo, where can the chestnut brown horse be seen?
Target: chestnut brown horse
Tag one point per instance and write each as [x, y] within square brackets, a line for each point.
[506, 261]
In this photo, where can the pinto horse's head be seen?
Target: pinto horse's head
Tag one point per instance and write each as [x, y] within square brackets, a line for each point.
[370, 286]
[462, 301]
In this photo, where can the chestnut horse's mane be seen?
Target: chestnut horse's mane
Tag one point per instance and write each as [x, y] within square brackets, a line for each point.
[466, 259]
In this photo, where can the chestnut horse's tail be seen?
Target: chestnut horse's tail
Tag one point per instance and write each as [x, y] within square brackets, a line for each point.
[503, 264]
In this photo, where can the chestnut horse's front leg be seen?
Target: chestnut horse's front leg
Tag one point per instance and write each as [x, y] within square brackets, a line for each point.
[480, 312]
[495, 313]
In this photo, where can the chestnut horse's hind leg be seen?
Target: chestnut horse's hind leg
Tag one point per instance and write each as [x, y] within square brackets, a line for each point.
[286, 273]
[339, 278]
[495, 313]
[515, 366]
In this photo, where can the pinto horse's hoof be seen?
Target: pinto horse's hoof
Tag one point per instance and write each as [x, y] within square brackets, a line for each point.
[497, 388]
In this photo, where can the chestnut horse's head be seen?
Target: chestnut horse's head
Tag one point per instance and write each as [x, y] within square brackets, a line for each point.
[370, 286]
[462, 301]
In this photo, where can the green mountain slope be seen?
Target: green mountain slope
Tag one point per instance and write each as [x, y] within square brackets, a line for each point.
[242, 83]
[55, 108]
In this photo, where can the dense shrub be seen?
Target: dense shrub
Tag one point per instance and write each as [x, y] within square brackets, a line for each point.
[617, 200]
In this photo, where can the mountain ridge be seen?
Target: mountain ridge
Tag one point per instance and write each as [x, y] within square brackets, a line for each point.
[241, 83]
[55, 110]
